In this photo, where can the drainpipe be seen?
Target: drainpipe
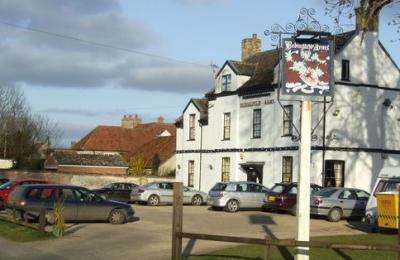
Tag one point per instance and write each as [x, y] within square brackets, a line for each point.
[201, 152]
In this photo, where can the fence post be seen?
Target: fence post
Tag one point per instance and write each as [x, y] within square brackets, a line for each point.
[177, 219]
[267, 249]
[42, 219]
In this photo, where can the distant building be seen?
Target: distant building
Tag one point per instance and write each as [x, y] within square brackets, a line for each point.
[150, 141]
[68, 161]
[240, 131]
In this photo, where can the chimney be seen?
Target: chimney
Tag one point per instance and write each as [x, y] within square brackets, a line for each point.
[250, 46]
[362, 16]
[137, 120]
[160, 120]
[128, 121]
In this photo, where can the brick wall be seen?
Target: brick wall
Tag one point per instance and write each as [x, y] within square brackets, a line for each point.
[90, 181]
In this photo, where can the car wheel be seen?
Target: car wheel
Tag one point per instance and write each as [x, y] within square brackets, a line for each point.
[117, 216]
[335, 215]
[232, 206]
[197, 200]
[153, 200]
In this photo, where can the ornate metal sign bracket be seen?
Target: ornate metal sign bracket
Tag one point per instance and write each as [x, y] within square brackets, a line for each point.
[305, 22]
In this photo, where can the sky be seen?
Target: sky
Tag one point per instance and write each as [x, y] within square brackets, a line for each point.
[85, 63]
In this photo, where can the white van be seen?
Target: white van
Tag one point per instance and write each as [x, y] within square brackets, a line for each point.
[388, 180]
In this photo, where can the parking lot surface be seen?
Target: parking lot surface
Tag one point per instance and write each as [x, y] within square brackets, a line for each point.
[149, 236]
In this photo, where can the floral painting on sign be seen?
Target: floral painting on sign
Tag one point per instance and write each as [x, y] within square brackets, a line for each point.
[307, 67]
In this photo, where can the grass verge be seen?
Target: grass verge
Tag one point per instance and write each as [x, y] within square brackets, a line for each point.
[19, 233]
[251, 252]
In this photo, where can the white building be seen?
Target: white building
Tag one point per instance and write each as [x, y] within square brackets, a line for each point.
[239, 131]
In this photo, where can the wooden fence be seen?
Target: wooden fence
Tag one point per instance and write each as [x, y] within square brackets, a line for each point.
[178, 235]
[23, 222]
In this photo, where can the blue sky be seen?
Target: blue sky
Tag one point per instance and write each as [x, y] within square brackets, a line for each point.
[81, 86]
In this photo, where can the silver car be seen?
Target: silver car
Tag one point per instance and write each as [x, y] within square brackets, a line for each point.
[233, 196]
[154, 193]
[338, 203]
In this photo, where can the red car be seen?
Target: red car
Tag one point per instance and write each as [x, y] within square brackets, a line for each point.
[283, 197]
[8, 187]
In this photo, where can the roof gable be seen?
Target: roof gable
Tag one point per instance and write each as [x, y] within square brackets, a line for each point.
[119, 139]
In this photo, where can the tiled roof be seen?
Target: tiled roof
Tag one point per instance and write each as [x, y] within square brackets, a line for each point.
[119, 139]
[202, 105]
[73, 158]
[164, 147]
[342, 39]
[242, 68]
[264, 63]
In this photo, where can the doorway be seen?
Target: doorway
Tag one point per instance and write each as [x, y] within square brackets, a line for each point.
[334, 173]
[254, 171]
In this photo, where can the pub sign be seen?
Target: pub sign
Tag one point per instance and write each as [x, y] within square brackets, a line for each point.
[307, 67]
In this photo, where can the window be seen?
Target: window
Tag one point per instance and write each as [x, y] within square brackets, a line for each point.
[241, 187]
[190, 174]
[347, 195]
[256, 123]
[227, 126]
[362, 195]
[287, 120]
[346, 70]
[334, 173]
[226, 165]
[192, 120]
[226, 82]
[287, 169]
[255, 188]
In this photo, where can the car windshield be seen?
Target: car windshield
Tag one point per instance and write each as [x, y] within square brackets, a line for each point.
[108, 186]
[387, 185]
[149, 185]
[278, 188]
[325, 192]
[219, 187]
[6, 185]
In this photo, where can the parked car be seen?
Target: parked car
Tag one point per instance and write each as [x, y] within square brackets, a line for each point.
[338, 203]
[283, 197]
[155, 193]
[233, 196]
[8, 187]
[388, 180]
[3, 180]
[78, 204]
[119, 191]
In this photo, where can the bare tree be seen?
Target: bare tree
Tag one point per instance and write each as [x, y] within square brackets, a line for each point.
[369, 9]
[20, 130]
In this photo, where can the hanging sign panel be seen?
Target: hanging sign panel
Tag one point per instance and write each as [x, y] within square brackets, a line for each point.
[307, 67]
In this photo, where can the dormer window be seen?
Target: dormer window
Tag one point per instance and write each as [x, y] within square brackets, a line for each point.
[226, 83]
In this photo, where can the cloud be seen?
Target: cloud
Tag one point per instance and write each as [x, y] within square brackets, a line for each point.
[84, 112]
[40, 59]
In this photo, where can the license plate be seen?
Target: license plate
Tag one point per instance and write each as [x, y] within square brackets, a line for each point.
[271, 198]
